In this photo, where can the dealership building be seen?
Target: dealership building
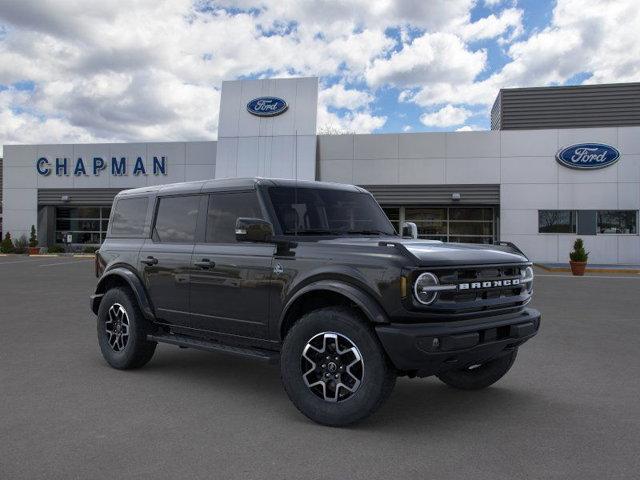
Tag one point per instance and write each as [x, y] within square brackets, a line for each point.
[559, 163]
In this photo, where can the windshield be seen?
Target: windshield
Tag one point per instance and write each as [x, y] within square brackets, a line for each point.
[310, 211]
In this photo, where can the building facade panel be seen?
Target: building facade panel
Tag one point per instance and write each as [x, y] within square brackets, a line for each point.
[422, 170]
[473, 144]
[429, 145]
[472, 170]
[456, 186]
[529, 170]
[375, 147]
[336, 147]
[529, 143]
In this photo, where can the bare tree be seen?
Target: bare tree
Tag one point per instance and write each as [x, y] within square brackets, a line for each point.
[332, 129]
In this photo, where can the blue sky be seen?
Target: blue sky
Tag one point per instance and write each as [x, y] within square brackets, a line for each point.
[77, 71]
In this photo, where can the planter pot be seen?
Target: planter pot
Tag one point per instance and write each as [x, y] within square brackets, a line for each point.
[578, 268]
[34, 250]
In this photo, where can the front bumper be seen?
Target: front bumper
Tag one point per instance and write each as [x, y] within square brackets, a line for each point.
[431, 348]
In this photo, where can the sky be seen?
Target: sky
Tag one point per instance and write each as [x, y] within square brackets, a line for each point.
[76, 71]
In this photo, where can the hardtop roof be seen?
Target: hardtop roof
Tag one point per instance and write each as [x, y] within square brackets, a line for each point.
[226, 184]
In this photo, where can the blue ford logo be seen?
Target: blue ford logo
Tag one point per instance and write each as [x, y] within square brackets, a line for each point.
[588, 156]
[267, 106]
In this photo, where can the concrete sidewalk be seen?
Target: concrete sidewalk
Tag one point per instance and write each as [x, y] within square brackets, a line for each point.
[592, 268]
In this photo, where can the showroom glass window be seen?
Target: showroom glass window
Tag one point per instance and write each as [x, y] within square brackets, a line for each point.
[86, 225]
[176, 219]
[129, 215]
[223, 211]
[618, 221]
[453, 224]
[556, 221]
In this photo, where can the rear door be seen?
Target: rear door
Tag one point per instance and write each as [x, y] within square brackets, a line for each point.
[165, 259]
[230, 280]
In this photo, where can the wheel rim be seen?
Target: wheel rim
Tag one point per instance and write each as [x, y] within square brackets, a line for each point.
[333, 366]
[117, 327]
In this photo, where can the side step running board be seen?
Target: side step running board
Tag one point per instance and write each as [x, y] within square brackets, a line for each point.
[211, 346]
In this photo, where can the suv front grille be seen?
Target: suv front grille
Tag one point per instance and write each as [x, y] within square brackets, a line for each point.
[479, 289]
[474, 275]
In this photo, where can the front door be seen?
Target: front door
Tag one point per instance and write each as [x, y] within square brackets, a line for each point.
[230, 281]
[165, 259]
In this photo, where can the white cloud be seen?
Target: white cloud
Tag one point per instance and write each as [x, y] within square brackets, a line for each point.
[583, 37]
[432, 57]
[509, 20]
[351, 122]
[469, 128]
[447, 116]
[407, 128]
[338, 96]
[152, 70]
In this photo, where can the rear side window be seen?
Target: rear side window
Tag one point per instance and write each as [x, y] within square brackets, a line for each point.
[128, 217]
[224, 210]
[176, 219]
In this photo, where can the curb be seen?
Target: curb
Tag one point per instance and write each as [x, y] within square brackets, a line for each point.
[589, 269]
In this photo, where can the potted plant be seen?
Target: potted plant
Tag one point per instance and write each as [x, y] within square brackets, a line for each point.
[21, 245]
[33, 242]
[7, 244]
[578, 258]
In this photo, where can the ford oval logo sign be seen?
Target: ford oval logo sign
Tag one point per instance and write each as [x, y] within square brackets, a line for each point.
[588, 156]
[267, 106]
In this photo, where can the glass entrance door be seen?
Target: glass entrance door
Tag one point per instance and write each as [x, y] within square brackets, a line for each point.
[448, 224]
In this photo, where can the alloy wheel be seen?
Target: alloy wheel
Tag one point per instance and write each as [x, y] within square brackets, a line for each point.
[333, 366]
[117, 327]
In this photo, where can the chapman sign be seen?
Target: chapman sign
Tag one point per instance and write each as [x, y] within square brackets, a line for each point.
[96, 165]
[267, 106]
[588, 156]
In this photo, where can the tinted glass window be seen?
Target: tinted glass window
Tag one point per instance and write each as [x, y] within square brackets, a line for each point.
[311, 211]
[618, 221]
[556, 221]
[176, 219]
[224, 210]
[129, 215]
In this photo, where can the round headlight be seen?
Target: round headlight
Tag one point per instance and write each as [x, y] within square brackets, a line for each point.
[526, 277]
[422, 288]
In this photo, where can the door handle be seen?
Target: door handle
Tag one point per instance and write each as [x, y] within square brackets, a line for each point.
[205, 263]
[149, 260]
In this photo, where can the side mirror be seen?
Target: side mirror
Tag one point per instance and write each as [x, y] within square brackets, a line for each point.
[253, 230]
[409, 229]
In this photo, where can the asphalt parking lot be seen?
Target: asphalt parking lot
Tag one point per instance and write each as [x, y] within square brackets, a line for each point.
[569, 408]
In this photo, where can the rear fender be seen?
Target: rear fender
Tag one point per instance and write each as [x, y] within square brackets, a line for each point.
[120, 275]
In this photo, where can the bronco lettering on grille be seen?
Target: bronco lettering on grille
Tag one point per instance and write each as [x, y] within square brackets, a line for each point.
[510, 282]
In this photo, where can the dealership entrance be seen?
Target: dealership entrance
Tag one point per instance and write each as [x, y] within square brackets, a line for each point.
[467, 224]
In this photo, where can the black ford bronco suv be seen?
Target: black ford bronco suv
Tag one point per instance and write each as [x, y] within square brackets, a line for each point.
[311, 275]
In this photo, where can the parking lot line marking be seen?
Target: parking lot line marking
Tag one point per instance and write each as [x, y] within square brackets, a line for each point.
[18, 261]
[82, 260]
[589, 276]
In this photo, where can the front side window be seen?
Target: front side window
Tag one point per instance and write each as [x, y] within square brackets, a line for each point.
[618, 221]
[129, 215]
[176, 219]
[556, 221]
[316, 211]
[224, 209]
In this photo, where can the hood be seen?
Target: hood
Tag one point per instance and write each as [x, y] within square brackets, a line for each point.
[435, 253]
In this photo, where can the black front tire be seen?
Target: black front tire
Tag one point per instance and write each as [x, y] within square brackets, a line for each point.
[481, 376]
[132, 351]
[378, 374]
